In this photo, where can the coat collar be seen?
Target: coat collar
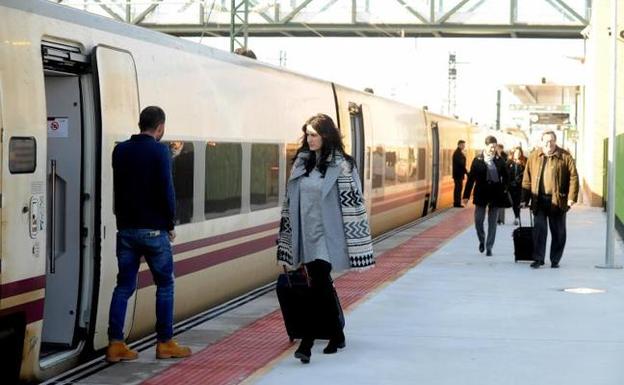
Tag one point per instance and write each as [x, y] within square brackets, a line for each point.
[557, 153]
[331, 175]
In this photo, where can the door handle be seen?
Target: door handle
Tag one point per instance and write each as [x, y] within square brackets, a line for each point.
[52, 220]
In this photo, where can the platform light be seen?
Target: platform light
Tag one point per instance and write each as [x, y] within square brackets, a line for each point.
[584, 290]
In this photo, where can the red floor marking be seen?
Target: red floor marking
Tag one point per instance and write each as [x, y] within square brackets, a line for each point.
[237, 356]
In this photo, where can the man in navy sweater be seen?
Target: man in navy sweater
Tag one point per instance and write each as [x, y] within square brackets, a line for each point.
[145, 210]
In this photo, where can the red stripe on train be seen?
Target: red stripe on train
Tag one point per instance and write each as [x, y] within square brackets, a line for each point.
[33, 310]
[23, 286]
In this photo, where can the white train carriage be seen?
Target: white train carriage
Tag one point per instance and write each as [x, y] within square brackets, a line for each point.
[72, 86]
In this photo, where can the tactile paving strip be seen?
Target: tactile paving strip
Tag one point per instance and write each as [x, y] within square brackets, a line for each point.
[237, 356]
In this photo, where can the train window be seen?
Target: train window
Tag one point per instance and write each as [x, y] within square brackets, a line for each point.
[421, 164]
[411, 159]
[405, 166]
[22, 155]
[291, 150]
[264, 176]
[391, 167]
[182, 170]
[378, 167]
[224, 165]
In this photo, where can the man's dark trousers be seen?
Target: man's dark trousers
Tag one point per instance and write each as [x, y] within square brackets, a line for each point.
[459, 183]
[557, 223]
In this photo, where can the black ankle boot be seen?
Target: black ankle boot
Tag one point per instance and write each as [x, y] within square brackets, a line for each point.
[335, 343]
[304, 352]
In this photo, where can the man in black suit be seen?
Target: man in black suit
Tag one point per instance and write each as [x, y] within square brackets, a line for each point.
[459, 170]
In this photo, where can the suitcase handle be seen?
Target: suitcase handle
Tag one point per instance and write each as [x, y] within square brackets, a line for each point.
[520, 217]
[305, 273]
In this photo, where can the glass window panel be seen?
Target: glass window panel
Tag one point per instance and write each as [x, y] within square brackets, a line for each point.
[264, 176]
[378, 167]
[22, 155]
[391, 167]
[421, 164]
[224, 164]
[182, 170]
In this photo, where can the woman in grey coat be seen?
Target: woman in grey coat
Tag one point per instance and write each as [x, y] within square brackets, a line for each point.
[324, 223]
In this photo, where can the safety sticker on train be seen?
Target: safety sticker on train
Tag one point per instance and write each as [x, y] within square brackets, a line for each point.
[58, 127]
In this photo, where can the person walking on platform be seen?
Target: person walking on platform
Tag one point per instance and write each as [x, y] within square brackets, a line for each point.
[500, 151]
[550, 184]
[488, 174]
[459, 170]
[145, 209]
[516, 173]
[323, 222]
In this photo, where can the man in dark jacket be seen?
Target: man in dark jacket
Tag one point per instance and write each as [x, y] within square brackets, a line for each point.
[551, 185]
[145, 209]
[459, 170]
[488, 175]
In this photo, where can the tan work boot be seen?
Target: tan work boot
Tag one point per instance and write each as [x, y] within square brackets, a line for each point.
[171, 349]
[118, 351]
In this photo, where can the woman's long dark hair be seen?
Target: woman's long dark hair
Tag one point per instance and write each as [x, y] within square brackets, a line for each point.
[332, 144]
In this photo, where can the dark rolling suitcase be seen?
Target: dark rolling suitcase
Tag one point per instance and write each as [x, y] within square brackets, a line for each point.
[306, 308]
[523, 241]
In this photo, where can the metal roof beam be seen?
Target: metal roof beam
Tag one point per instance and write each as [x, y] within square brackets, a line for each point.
[414, 12]
[452, 11]
[110, 11]
[567, 10]
[146, 12]
[295, 11]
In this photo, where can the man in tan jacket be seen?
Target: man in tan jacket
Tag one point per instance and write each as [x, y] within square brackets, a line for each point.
[550, 184]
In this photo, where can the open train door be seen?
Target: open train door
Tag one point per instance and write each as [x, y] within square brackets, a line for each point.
[356, 118]
[118, 93]
[435, 163]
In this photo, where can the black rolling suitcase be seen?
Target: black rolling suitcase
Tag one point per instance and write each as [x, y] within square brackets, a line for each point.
[305, 308]
[523, 241]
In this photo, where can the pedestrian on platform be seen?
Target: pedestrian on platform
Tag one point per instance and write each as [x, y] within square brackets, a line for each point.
[459, 170]
[145, 209]
[551, 186]
[500, 151]
[324, 225]
[516, 173]
[488, 175]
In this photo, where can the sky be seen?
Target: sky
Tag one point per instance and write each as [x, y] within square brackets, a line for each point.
[415, 70]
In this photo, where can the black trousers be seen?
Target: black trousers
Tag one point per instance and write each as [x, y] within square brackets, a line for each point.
[515, 193]
[326, 299]
[457, 191]
[546, 217]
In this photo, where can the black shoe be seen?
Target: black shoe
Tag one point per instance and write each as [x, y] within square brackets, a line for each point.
[458, 205]
[481, 247]
[554, 265]
[537, 264]
[304, 352]
[488, 253]
[333, 346]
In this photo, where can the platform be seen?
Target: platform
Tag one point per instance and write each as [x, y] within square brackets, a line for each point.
[434, 311]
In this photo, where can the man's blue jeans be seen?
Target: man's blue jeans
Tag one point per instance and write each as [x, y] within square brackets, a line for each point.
[154, 245]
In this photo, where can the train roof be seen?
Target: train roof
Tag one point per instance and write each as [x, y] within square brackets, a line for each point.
[71, 15]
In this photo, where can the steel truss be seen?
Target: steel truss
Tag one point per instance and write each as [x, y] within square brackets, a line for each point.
[239, 19]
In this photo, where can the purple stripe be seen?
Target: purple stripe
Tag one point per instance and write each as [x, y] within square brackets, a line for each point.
[212, 258]
[222, 238]
[33, 310]
[24, 286]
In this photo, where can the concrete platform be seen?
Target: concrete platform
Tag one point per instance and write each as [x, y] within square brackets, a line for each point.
[462, 318]
[434, 311]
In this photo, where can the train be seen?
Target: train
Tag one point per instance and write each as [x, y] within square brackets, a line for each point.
[72, 86]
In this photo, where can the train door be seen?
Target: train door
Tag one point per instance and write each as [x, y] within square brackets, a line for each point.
[64, 80]
[435, 163]
[357, 138]
[119, 110]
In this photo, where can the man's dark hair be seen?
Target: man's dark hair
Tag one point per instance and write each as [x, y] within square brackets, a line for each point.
[245, 52]
[460, 142]
[490, 139]
[151, 117]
